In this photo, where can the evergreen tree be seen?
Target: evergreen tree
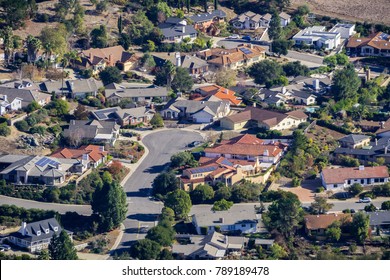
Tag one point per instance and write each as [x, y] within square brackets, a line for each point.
[275, 30]
[61, 247]
[109, 202]
[120, 26]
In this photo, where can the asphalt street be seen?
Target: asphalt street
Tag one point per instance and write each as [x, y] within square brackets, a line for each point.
[61, 208]
[143, 212]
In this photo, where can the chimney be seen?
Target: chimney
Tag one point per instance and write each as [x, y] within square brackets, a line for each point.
[85, 157]
[386, 150]
[226, 91]
[368, 75]
[221, 220]
[90, 56]
[376, 141]
[382, 123]
[101, 148]
[5, 98]
[183, 29]
[316, 84]
[254, 104]
[284, 90]
[178, 59]
[23, 229]
[71, 86]
[361, 167]
[59, 166]
[109, 59]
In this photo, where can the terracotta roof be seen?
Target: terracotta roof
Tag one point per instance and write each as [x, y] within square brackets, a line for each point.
[339, 175]
[313, 222]
[378, 40]
[221, 93]
[111, 55]
[252, 113]
[93, 151]
[246, 139]
[241, 53]
[369, 123]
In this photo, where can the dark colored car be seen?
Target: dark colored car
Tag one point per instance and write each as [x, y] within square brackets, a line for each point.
[194, 144]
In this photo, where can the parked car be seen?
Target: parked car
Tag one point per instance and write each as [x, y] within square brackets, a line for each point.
[248, 38]
[6, 247]
[194, 144]
[234, 36]
[365, 200]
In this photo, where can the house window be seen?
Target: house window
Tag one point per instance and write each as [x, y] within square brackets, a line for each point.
[381, 180]
[362, 181]
[243, 225]
[335, 186]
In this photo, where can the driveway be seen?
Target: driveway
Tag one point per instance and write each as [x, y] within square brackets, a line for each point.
[143, 213]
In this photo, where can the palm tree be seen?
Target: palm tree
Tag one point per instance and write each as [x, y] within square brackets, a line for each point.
[8, 40]
[33, 45]
[48, 47]
[71, 57]
[170, 71]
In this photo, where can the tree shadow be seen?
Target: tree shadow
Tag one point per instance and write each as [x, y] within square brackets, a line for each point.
[156, 168]
[143, 217]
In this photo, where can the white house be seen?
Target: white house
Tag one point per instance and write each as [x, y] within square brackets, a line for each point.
[346, 30]
[240, 218]
[251, 21]
[336, 179]
[318, 37]
[285, 19]
[9, 105]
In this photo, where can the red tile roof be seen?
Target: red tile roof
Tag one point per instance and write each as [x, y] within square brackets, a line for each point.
[221, 93]
[314, 222]
[93, 152]
[374, 40]
[339, 175]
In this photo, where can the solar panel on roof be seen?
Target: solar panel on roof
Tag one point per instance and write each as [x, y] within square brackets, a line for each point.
[245, 51]
[226, 162]
[203, 169]
[44, 161]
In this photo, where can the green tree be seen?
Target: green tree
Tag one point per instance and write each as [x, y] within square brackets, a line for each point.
[109, 202]
[303, 10]
[183, 159]
[145, 249]
[120, 25]
[180, 202]
[33, 45]
[165, 254]
[149, 46]
[222, 205]
[333, 232]
[355, 189]
[162, 235]
[223, 193]
[33, 106]
[275, 29]
[346, 83]
[284, 214]
[246, 191]
[111, 75]
[294, 69]
[44, 255]
[5, 130]
[281, 46]
[370, 208]
[140, 28]
[147, 62]
[202, 194]
[359, 227]
[61, 247]
[22, 126]
[54, 40]
[277, 252]
[226, 77]
[265, 71]
[157, 120]
[99, 37]
[61, 106]
[385, 205]
[164, 183]
[15, 12]
[182, 82]
[167, 216]
[320, 205]
[81, 112]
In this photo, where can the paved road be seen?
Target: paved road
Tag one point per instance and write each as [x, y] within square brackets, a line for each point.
[340, 205]
[142, 213]
[305, 58]
[61, 208]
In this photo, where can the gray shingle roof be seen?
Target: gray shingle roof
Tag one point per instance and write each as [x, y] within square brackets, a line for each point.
[173, 30]
[153, 91]
[354, 138]
[208, 16]
[193, 106]
[379, 218]
[26, 95]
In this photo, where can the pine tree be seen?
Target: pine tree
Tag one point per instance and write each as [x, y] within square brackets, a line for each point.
[275, 31]
[215, 4]
[120, 26]
[61, 247]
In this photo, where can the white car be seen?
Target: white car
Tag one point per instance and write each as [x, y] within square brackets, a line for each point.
[365, 200]
[234, 36]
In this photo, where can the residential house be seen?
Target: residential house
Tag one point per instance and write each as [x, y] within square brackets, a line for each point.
[23, 169]
[99, 59]
[175, 30]
[256, 117]
[25, 95]
[251, 21]
[132, 116]
[355, 141]
[314, 85]
[141, 94]
[92, 131]
[264, 243]
[208, 22]
[73, 88]
[220, 93]
[318, 36]
[346, 30]
[285, 19]
[377, 44]
[380, 222]
[195, 65]
[213, 246]
[196, 111]
[92, 153]
[7, 105]
[339, 179]
[243, 55]
[239, 219]
[366, 151]
[295, 93]
[384, 129]
[36, 236]
[316, 225]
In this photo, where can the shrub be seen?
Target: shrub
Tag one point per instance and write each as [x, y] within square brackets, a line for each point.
[355, 189]
[41, 130]
[5, 130]
[296, 182]
[320, 190]
[222, 205]
[22, 126]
